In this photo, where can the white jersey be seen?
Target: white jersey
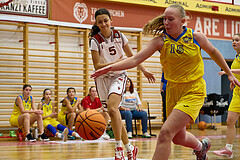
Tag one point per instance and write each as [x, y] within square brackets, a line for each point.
[110, 49]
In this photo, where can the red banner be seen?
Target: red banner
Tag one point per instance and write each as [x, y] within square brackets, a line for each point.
[83, 12]
[136, 16]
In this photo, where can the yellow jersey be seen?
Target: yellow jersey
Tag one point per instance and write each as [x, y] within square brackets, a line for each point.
[236, 65]
[64, 107]
[47, 108]
[26, 104]
[181, 57]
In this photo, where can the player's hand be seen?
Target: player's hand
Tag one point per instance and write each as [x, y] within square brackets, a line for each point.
[140, 110]
[233, 81]
[231, 86]
[149, 76]
[126, 109]
[101, 71]
[221, 73]
[39, 111]
[102, 109]
[54, 114]
[66, 112]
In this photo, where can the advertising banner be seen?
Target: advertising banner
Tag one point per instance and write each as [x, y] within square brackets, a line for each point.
[37, 8]
[191, 5]
[136, 16]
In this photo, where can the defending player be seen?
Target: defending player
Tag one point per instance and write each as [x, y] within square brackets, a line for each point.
[183, 67]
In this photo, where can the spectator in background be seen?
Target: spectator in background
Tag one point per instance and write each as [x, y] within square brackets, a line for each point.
[69, 111]
[25, 114]
[130, 107]
[92, 101]
[49, 114]
[163, 93]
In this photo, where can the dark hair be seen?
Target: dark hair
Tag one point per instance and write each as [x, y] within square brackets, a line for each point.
[47, 89]
[70, 88]
[27, 85]
[95, 29]
[91, 89]
[131, 88]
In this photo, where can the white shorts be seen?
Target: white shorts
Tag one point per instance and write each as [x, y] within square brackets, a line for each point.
[110, 84]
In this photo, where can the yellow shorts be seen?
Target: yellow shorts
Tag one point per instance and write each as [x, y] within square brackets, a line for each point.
[234, 105]
[14, 120]
[62, 119]
[51, 121]
[187, 97]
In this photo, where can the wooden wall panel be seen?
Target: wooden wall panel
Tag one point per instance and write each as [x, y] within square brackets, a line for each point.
[58, 57]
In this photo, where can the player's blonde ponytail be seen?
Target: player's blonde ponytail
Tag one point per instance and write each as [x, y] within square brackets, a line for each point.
[154, 26]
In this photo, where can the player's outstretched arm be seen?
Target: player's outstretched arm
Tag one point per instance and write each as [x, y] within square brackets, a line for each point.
[133, 61]
[236, 71]
[147, 74]
[207, 46]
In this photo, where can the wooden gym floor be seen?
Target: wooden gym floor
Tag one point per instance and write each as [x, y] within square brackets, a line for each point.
[104, 149]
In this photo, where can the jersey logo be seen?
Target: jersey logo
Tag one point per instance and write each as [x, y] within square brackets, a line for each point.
[185, 105]
[27, 107]
[117, 35]
[187, 39]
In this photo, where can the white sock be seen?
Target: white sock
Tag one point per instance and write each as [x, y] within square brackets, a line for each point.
[59, 135]
[77, 135]
[229, 147]
[199, 147]
[118, 144]
[128, 146]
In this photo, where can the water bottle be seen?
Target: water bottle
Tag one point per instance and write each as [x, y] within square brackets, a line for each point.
[36, 133]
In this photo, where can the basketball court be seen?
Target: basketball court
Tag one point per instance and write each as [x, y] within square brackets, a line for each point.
[46, 45]
[103, 149]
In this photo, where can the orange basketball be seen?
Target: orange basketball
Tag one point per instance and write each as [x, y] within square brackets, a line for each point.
[202, 125]
[90, 125]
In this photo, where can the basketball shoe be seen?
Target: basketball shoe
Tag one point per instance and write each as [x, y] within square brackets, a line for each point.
[44, 138]
[224, 153]
[29, 138]
[129, 134]
[132, 155]
[105, 136]
[65, 135]
[202, 155]
[119, 153]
